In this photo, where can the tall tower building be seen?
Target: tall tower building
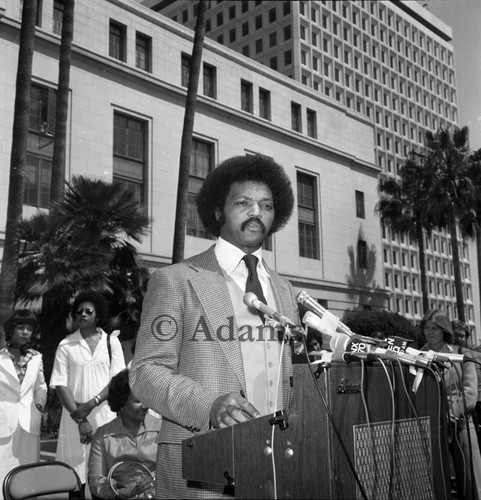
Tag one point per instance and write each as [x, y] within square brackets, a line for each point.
[390, 61]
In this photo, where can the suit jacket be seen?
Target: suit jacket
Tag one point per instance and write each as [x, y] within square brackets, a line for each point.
[184, 356]
[17, 402]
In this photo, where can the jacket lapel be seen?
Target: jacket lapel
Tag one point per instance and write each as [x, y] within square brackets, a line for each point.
[30, 374]
[211, 289]
[6, 364]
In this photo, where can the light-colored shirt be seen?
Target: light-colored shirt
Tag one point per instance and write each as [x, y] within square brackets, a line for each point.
[112, 443]
[261, 351]
[230, 260]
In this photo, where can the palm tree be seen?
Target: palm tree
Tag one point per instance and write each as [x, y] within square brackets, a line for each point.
[18, 159]
[452, 192]
[470, 220]
[403, 206]
[186, 143]
[57, 183]
[83, 243]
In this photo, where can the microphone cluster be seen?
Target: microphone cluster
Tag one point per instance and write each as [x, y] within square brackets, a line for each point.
[277, 320]
[347, 346]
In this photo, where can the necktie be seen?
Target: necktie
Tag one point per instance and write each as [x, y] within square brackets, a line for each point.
[253, 284]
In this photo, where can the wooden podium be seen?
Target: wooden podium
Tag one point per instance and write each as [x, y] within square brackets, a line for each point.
[306, 459]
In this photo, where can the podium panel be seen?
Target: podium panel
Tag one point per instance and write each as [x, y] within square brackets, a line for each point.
[395, 440]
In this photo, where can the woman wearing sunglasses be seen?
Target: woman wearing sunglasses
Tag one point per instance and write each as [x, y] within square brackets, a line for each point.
[85, 361]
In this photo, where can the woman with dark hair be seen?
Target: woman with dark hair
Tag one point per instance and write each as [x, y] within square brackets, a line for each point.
[129, 437]
[23, 393]
[461, 386]
[85, 361]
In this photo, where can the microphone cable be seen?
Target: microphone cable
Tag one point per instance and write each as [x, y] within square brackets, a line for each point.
[333, 424]
[441, 417]
[422, 432]
[392, 458]
[460, 389]
[374, 470]
[279, 376]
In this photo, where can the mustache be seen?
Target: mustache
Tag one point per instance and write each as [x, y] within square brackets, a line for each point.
[253, 219]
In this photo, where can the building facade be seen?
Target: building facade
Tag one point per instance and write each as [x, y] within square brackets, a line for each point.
[391, 62]
[127, 97]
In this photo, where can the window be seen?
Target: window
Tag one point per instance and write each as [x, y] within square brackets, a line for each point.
[272, 15]
[57, 17]
[258, 22]
[273, 39]
[209, 75]
[129, 162]
[185, 71]
[264, 104]
[360, 212]
[361, 254]
[307, 208]
[259, 46]
[245, 29]
[117, 39]
[288, 57]
[143, 49]
[296, 117]
[201, 163]
[38, 174]
[246, 96]
[311, 119]
[287, 32]
[38, 169]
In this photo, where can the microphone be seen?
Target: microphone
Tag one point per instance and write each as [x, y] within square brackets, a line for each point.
[360, 350]
[395, 344]
[442, 357]
[307, 301]
[250, 300]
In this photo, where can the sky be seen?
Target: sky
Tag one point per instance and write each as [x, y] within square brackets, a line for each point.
[464, 17]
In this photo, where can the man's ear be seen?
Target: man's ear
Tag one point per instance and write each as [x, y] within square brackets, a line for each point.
[219, 216]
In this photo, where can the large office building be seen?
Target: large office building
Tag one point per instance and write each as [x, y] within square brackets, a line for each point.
[128, 86]
[388, 62]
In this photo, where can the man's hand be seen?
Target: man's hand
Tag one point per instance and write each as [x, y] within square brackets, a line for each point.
[230, 409]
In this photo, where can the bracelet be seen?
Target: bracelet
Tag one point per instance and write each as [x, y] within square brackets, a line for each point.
[97, 400]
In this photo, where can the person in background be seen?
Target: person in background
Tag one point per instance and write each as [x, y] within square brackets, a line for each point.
[461, 337]
[84, 363]
[23, 393]
[203, 358]
[130, 436]
[314, 341]
[461, 383]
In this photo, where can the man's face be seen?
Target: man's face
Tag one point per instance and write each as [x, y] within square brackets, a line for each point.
[460, 336]
[248, 215]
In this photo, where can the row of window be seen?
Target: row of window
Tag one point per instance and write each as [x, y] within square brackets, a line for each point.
[376, 25]
[130, 136]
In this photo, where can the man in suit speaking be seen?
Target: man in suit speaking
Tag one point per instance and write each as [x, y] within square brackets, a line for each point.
[204, 359]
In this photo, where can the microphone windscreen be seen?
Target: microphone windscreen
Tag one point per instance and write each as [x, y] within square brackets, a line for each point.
[249, 298]
[338, 342]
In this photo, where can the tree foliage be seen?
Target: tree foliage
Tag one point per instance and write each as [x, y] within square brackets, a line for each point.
[385, 323]
[436, 189]
[83, 243]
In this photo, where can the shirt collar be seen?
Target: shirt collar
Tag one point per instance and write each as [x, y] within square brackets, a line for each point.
[229, 256]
